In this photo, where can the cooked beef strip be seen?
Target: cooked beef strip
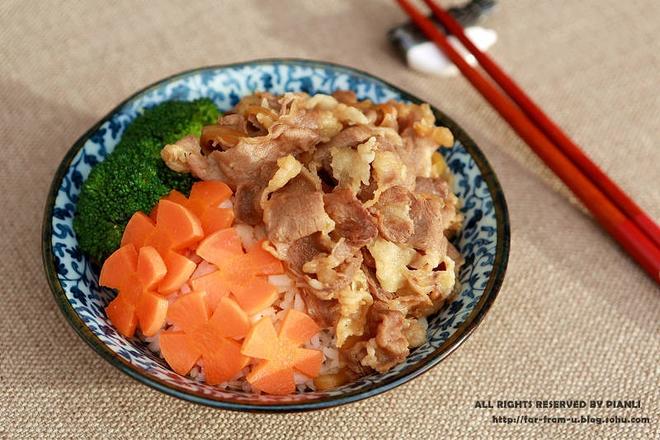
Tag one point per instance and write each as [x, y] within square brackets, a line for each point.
[432, 185]
[352, 220]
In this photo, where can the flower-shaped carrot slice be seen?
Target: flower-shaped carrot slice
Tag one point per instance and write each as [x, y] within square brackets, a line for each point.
[203, 202]
[202, 335]
[240, 273]
[175, 228]
[281, 353]
[135, 275]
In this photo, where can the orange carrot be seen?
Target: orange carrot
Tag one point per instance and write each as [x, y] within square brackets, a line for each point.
[238, 272]
[215, 219]
[179, 269]
[208, 338]
[204, 199]
[222, 360]
[252, 293]
[261, 262]
[272, 378]
[178, 351]
[189, 312]
[298, 328]
[151, 312]
[180, 225]
[150, 267]
[176, 197]
[121, 313]
[212, 192]
[138, 230]
[281, 353]
[229, 320]
[134, 275]
[261, 341]
[214, 286]
[175, 228]
[119, 267]
[220, 247]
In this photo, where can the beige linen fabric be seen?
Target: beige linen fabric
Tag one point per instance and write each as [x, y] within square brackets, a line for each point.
[576, 318]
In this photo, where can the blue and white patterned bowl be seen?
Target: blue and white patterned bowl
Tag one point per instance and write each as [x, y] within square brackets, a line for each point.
[484, 241]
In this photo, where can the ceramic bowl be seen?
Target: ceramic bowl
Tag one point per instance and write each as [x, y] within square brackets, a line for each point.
[483, 242]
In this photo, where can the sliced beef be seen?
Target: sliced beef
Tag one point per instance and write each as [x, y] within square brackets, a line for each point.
[347, 97]
[246, 203]
[432, 185]
[387, 347]
[325, 312]
[426, 214]
[391, 338]
[290, 216]
[352, 220]
[393, 215]
[303, 250]
[349, 137]
[374, 286]
[295, 211]
[244, 161]
[327, 273]
[205, 167]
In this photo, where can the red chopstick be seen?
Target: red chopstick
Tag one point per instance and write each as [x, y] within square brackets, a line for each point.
[611, 218]
[550, 129]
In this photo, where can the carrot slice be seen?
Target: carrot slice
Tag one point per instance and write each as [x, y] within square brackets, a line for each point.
[269, 379]
[261, 262]
[178, 223]
[153, 215]
[206, 338]
[151, 268]
[138, 230]
[222, 360]
[133, 275]
[178, 352]
[118, 267]
[220, 247]
[215, 219]
[176, 197]
[204, 199]
[261, 341]
[308, 361]
[213, 192]
[281, 354]
[189, 312]
[121, 313]
[252, 293]
[237, 271]
[179, 270]
[229, 320]
[151, 312]
[297, 327]
[213, 285]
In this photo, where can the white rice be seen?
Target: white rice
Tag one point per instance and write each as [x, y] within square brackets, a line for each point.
[290, 298]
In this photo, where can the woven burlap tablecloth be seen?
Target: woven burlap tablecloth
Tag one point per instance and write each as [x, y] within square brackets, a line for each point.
[576, 318]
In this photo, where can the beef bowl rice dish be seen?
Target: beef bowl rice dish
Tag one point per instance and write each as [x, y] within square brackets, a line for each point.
[294, 243]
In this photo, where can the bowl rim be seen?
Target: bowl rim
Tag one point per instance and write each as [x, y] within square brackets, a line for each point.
[452, 343]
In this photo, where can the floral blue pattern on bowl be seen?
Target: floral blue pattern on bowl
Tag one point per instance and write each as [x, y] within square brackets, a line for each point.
[483, 242]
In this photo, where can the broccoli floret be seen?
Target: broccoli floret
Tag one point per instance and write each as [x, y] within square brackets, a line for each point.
[133, 177]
